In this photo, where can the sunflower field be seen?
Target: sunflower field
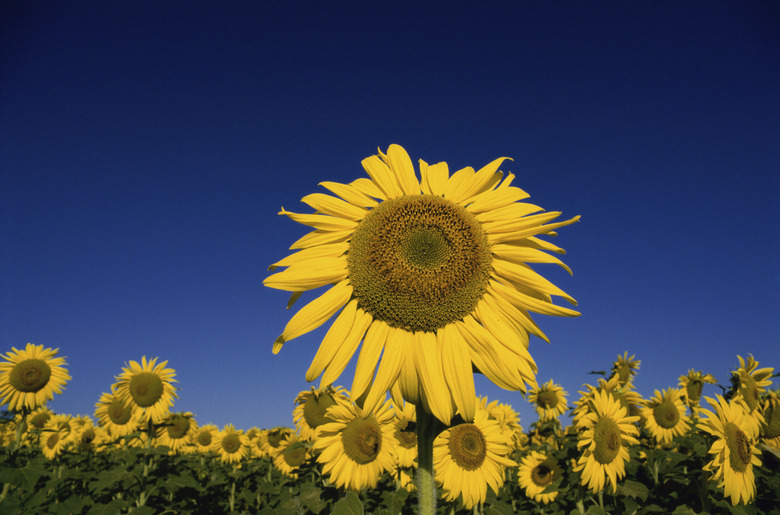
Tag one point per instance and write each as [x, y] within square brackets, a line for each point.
[621, 453]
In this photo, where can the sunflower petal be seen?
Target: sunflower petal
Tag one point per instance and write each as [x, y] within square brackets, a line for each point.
[333, 206]
[350, 193]
[382, 176]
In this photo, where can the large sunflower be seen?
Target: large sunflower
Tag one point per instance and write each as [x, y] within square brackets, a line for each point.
[664, 415]
[149, 385]
[469, 457]
[119, 416]
[357, 447]
[431, 274]
[734, 451]
[549, 401]
[608, 430]
[536, 473]
[29, 378]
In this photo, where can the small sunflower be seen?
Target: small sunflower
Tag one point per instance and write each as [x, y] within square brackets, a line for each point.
[607, 431]
[431, 274]
[693, 383]
[751, 382]
[628, 398]
[357, 447]
[149, 386]
[119, 416]
[664, 416]
[406, 435]
[734, 451]
[507, 418]
[271, 439]
[625, 368]
[29, 378]
[39, 417]
[176, 431]
[309, 412]
[86, 437]
[549, 401]
[231, 445]
[54, 438]
[293, 453]
[536, 473]
[204, 439]
[469, 457]
[770, 429]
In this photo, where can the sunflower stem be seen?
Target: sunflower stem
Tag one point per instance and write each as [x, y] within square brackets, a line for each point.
[427, 426]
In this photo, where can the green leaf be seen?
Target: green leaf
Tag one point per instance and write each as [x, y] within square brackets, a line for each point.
[499, 508]
[634, 489]
[25, 477]
[684, 510]
[348, 505]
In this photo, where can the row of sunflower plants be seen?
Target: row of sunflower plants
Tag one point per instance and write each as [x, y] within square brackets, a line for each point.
[621, 453]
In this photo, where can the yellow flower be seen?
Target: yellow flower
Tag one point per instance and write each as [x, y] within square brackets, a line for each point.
[751, 382]
[625, 369]
[54, 438]
[694, 385]
[120, 417]
[357, 447]
[270, 440]
[231, 445]
[734, 451]
[406, 435]
[176, 430]
[507, 418]
[608, 430]
[628, 398]
[149, 386]
[770, 429]
[30, 377]
[469, 457]
[431, 274]
[549, 401]
[536, 473]
[309, 412]
[293, 452]
[39, 417]
[204, 438]
[664, 416]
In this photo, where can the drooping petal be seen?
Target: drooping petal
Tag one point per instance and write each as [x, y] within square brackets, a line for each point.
[373, 345]
[320, 237]
[337, 333]
[457, 370]
[429, 370]
[330, 250]
[309, 275]
[347, 347]
[322, 222]
[407, 377]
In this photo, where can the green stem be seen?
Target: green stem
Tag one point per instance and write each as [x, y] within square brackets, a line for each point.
[427, 426]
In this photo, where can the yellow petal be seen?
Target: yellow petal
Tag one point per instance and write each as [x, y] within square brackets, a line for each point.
[368, 187]
[458, 184]
[382, 176]
[333, 206]
[434, 178]
[527, 302]
[315, 313]
[457, 370]
[523, 254]
[521, 234]
[399, 162]
[429, 370]
[331, 250]
[347, 348]
[350, 193]
[373, 344]
[333, 339]
[407, 377]
[498, 198]
[524, 275]
[319, 237]
[309, 275]
[322, 222]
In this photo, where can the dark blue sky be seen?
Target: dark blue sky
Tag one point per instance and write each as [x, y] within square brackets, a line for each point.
[146, 148]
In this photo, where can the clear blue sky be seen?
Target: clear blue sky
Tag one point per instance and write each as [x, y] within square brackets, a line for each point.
[146, 148]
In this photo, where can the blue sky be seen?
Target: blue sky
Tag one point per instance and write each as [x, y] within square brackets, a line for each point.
[146, 148]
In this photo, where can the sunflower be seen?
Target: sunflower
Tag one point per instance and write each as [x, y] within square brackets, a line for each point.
[406, 435]
[664, 415]
[751, 382]
[309, 412]
[735, 449]
[204, 439]
[149, 386]
[231, 444]
[176, 430]
[293, 452]
[507, 418]
[29, 378]
[39, 417]
[628, 398]
[119, 416]
[270, 440]
[694, 385]
[549, 401]
[86, 437]
[357, 447]
[431, 274]
[607, 431]
[54, 438]
[625, 368]
[537, 472]
[469, 457]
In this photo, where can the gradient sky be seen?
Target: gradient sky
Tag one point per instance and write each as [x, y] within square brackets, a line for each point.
[146, 148]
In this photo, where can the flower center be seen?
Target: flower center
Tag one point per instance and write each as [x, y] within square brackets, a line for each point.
[178, 425]
[231, 443]
[666, 414]
[749, 390]
[362, 440]
[29, 375]
[406, 438]
[624, 373]
[419, 262]
[275, 437]
[547, 399]
[468, 447]
[204, 438]
[39, 420]
[315, 407]
[606, 435]
[542, 475]
[694, 389]
[739, 447]
[295, 455]
[146, 388]
[51, 441]
[772, 418]
[119, 413]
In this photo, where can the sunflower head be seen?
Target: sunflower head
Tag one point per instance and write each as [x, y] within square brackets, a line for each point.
[751, 381]
[624, 368]
[30, 377]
